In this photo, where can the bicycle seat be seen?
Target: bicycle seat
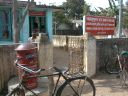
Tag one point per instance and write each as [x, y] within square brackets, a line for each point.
[61, 69]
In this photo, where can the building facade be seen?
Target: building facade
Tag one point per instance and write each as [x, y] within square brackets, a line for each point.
[39, 19]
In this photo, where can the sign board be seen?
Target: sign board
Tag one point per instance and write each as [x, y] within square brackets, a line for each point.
[100, 25]
[36, 13]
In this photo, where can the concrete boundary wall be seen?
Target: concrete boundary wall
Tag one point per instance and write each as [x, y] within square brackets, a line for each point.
[89, 53]
[7, 57]
[105, 48]
[59, 40]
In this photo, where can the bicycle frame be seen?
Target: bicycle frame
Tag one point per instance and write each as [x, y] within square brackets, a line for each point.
[50, 73]
[118, 57]
[120, 65]
[121, 59]
[59, 74]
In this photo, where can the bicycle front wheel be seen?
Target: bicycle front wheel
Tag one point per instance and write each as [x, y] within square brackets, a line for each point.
[17, 92]
[78, 86]
[112, 66]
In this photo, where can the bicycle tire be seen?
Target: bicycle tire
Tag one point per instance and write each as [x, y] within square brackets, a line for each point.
[123, 77]
[17, 92]
[112, 66]
[89, 89]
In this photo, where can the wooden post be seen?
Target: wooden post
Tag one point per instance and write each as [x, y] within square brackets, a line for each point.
[15, 26]
[45, 48]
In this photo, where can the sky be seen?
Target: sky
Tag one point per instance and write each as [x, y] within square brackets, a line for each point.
[93, 3]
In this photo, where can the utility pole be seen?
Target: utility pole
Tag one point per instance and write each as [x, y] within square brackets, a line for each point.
[120, 2]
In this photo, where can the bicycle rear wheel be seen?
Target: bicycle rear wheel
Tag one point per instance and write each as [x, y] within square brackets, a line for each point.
[112, 66]
[78, 86]
[17, 92]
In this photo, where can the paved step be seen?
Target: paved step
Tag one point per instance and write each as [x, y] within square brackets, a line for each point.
[41, 89]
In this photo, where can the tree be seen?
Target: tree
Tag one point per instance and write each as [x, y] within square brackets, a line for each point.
[18, 25]
[60, 18]
[87, 10]
[74, 8]
[107, 12]
[111, 11]
[125, 15]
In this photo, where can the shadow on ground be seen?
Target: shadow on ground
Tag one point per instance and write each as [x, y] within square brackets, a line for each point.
[108, 85]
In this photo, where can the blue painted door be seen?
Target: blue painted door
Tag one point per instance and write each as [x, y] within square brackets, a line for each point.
[5, 25]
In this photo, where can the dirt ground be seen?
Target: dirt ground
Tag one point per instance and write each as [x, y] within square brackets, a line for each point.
[109, 85]
[106, 84]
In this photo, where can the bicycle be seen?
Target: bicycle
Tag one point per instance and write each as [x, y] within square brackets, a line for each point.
[124, 69]
[113, 64]
[74, 85]
[118, 65]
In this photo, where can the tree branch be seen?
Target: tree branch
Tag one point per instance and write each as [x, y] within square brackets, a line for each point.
[24, 16]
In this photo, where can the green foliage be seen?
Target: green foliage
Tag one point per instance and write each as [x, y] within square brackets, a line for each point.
[110, 11]
[74, 8]
[125, 17]
[107, 12]
[86, 10]
[60, 18]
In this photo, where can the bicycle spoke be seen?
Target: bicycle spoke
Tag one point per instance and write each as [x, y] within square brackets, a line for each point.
[124, 78]
[112, 66]
[78, 87]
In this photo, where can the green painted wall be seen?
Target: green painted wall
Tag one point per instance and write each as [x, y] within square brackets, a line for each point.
[49, 21]
[5, 24]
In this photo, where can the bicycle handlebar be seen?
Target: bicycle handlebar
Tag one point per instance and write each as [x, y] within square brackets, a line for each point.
[36, 71]
[26, 68]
